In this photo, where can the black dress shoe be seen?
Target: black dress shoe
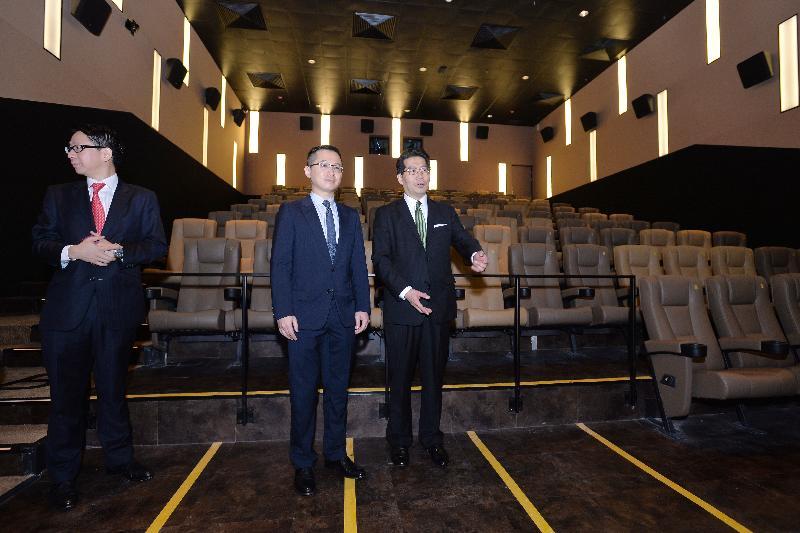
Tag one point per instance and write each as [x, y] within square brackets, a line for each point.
[304, 482]
[347, 468]
[439, 456]
[132, 471]
[64, 496]
[399, 455]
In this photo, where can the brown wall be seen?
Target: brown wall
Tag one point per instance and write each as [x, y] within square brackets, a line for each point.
[114, 71]
[706, 103]
[280, 133]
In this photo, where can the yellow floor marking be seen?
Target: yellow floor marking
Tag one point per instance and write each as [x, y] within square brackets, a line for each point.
[350, 524]
[173, 502]
[523, 500]
[666, 481]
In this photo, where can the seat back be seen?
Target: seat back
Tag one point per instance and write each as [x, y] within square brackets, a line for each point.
[693, 237]
[485, 292]
[732, 260]
[590, 260]
[571, 223]
[540, 234]
[244, 211]
[491, 207]
[635, 225]
[207, 256]
[771, 260]
[221, 218]
[514, 211]
[537, 259]
[600, 225]
[556, 209]
[671, 226]
[482, 215]
[498, 238]
[261, 296]
[583, 210]
[611, 237]
[688, 261]
[593, 216]
[786, 298]
[637, 260]
[246, 232]
[619, 217]
[510, 223]
[468, 222]
[260, 203]
[187, 228]
[567, 215]
[539, 212]
[539, 222]
[657, 237]
[740, 307]
[577, 235]
[728, 238]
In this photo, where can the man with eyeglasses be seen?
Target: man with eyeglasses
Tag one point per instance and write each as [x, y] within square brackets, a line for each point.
[97, 233]
[320, 298]
[411, 254]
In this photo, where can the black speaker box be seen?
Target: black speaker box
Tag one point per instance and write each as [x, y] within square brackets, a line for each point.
[755, 69]
[367, 125]
[92, 14]
[175, 72]
[238, 116]
[306, 123]
[426, 129]
[589, 121]
[644, 105]
[482, 132]
[212, 98]
[547, 134]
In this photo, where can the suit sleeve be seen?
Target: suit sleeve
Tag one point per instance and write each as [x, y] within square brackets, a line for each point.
[281, 263]
[153, 243]
[358, 263]
[383, 253]
[47, 240]
[464, 243]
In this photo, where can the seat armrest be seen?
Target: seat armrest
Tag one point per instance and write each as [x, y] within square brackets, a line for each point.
[753, 345]
[161, 293]
[574, 293]
[233, 294]
[673, 347]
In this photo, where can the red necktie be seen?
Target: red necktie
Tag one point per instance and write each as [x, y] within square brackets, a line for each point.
[97, 208]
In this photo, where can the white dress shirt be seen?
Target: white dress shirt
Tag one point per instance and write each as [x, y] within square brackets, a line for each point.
[106, 195]
[321, 212]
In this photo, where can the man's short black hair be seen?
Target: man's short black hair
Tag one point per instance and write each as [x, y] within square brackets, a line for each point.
[321, 147]
[104, 136]
[401, 161]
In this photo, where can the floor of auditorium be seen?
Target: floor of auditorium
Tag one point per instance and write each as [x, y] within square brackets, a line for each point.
[713, 475]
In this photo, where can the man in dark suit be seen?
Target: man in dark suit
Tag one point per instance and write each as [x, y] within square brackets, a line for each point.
[97, 233]
[411, 256]
[320, 297]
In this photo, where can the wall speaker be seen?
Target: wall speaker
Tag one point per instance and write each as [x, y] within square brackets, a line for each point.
[175, 72]
[482, 132]
[426, 129]
[367, 125]
[212, 98]
[306, 123]
[547, 134]
[589, 121]
[755, 69]
[238, 116]
[92, 14]
[644, 105]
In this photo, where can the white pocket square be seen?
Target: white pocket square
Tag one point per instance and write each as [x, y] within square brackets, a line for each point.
[438, 225]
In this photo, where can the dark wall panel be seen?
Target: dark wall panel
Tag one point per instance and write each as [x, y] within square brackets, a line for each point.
[33, 136]
[753, 190]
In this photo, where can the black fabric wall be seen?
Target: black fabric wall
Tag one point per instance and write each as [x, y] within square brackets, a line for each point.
[33, 136]
[752, 190]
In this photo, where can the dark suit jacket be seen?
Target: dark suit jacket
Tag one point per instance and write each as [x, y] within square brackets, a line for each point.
[401, 261]
[303, 278]
[134, 221]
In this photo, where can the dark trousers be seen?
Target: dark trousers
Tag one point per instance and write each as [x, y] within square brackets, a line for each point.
[70, 357]
[405, 345]
[327, 350]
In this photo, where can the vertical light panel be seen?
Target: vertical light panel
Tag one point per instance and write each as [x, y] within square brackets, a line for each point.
[622, 83]
[396, 139]
[187, 38]
[712, 31]
[156, 103]
[568, 120]
[787, 50]
[549, 176]
[235, 156]
[434, 183]
[117, 3]
[253, 119]
[325, 129]
[593, 155]
[463, 135]
[501, 177]
[205, 136]
[280, 160]
[52, 27]
[663, 124]
[359, 176]
[223, 90]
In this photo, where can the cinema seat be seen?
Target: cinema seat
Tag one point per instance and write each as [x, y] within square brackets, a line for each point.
[246, 232]
[538, 222]
[728, 238]
[498, 236]
[593, 260]
[221, 218]
[561, 208]
[771, 260]
[786, 299]
[537, 234]
[732, 260]
[583, 210]
[636, 260]
[635, 225]
[619, 217]
[577, 235]
[671, 226]
[612, 237]
[510, 223]
[482, 215]
[483, 305]
[600, 225]
[260, 317]
[687, 261]
[260, 203]
[244, 211]
[593, 217]
[693, 237]
[657, 237]
[187, 228]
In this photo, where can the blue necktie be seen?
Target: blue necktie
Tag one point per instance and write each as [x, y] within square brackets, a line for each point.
[331, 229]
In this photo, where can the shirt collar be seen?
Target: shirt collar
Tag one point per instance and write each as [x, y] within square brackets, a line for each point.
[111, 183]
[317, 200]
[412, 202]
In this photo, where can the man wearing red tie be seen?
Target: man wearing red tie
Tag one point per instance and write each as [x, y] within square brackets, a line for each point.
[96, 233]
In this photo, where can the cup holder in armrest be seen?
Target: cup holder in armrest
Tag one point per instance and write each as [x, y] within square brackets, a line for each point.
[775, 347]
[694, 349]
[585, 292]
[460, 294]
[524, 292]
[233, 294]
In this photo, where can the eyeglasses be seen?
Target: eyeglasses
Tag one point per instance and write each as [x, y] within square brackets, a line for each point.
[416, 171]
[327, 165]
[78, 148]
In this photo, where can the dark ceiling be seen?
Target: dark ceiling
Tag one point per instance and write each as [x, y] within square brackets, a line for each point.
[368, 54]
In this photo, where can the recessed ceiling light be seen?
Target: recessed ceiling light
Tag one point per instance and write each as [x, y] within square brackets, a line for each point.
[489, 116]
[583, 13]
[448, 1]
[317, 105]
[312, 61]
[406, 111]
[423, 69]
[511, 112]
[526, 77]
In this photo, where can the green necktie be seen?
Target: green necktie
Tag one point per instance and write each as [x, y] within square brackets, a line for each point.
[419, 219]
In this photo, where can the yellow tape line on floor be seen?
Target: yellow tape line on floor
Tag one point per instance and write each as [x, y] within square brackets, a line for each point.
[523, 500]
[173, 502]
[666, 481]
[350, 524]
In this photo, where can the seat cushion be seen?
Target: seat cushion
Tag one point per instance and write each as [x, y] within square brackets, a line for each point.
[210, 320]
[549, 316]
[744, 383]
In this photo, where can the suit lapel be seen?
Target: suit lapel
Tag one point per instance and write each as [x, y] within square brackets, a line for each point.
[407, 220]
[344, 232]
[312, 219]
[119, 206]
